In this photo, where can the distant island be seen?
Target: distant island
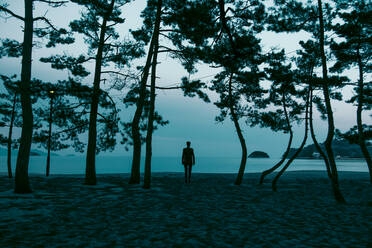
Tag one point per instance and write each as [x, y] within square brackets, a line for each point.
[258, 154]
[36, 153]
[341, 148]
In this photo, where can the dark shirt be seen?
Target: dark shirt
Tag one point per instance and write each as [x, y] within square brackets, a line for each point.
[188, 157]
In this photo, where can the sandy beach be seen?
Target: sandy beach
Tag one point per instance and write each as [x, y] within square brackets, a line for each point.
[210, 212]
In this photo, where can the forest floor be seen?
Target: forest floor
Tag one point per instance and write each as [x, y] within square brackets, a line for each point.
[209, 212]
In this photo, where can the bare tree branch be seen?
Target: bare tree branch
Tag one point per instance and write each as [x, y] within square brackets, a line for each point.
[166, 36]
[53, 3]
[71, 129]
[108, 37]
[77, 105]
[112, 101]
[170, 30]
[42, 18]
[103, 117]
[133, 76]
[11, 13]
[167, 88]
[167, 49]
[217, 38]
[111, 25]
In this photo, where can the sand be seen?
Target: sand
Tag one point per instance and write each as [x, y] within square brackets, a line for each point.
[210, 212]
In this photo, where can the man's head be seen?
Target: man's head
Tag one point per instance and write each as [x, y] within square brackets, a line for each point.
[188, 143]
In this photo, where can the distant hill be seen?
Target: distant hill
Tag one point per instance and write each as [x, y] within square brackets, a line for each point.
[34, 152]
[258, 154]
[341, 149]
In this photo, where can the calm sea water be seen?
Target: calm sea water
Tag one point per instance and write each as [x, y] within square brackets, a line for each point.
[119, 164]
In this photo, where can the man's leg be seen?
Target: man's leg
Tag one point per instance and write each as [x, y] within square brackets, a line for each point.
[185, 173]
[190, 166]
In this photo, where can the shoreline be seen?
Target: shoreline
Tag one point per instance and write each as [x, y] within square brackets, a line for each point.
[314, 172]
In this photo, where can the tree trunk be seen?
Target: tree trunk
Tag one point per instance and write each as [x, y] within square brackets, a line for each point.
[136, 136]
[243, 161]
[361, 138]
[316, 144]
[10, 134]
[285, 155]
[49, 135]
[90, 170]
[221, 5]
[298, 150]
[150, 125]
[328, 142]
[225, 27]
[136, 160]
[22, 184]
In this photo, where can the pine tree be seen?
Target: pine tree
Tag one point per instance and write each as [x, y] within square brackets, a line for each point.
[237, 50]
[355, 29]
[301, 77]
[150, 126]
[97, 24]
[293, 157]
[24, 50]
[308, 60]
[59, 119]
[179, 53]
[282, 94]
[140, 101]
[167, 13]
[328, 142]
[10, 111]
[223, 37]
[293, 16]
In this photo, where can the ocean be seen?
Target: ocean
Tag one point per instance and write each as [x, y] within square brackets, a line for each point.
[121, 164]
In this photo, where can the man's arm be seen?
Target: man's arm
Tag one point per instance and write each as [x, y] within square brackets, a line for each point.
[193, 157]
[183, 156]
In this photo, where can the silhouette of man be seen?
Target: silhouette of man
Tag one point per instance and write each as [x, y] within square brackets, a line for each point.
[188, 160]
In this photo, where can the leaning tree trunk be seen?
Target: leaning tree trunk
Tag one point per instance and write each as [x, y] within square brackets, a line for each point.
[136, 136]
[150, 126]
[10, 134]
[294, 156]
[285, 155]
[90, 169]
[331, 126]
[243, 161]
[361, 138]
[225, 28]
[316, 143]
[49, 135]
[22, 184]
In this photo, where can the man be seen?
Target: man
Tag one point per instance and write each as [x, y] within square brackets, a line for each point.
[188, 160]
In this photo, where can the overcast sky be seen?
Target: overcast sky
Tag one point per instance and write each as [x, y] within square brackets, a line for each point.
[190, 118]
